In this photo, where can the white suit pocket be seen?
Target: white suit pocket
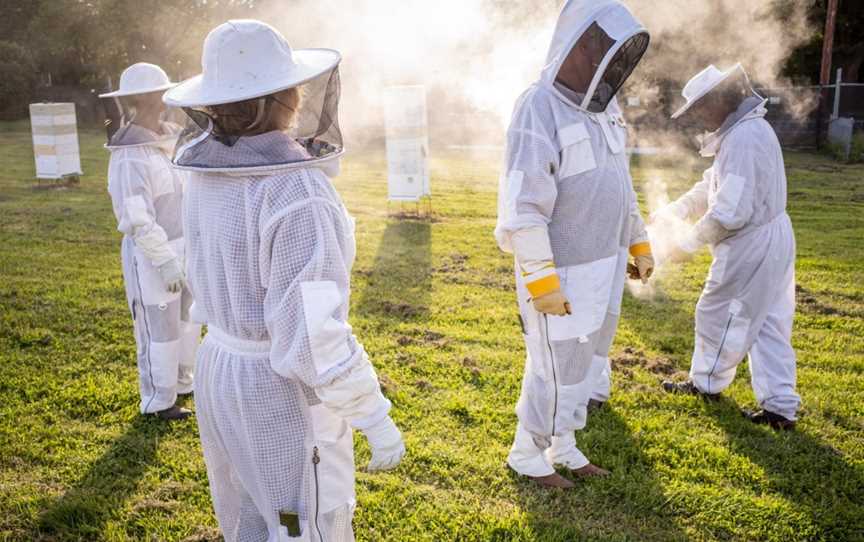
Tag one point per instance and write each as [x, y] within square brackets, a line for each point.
[328, 337]
[334, 446]
[577, 155]
[588, 288]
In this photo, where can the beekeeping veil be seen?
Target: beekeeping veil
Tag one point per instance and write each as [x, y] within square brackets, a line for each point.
[595, 47]
[141, 87]
[732, 88]
[258, 105]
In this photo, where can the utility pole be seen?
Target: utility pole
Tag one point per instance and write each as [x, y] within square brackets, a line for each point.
[828, 43]
[825, 72]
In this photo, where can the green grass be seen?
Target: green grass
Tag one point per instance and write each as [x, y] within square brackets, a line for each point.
[434, 304]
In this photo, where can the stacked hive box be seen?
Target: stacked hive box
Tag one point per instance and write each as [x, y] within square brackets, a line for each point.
[55, 140]
[407, 143]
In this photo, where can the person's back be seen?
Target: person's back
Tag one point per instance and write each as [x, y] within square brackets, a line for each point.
[281, 378]
[757, 135]
[229, 267]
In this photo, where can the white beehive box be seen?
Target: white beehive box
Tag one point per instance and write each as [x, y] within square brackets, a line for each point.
[407, 143]
[55, 140]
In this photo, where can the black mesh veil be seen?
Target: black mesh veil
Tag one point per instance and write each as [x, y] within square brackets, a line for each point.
[122, 130]
[213, 139]
[600, 63]
[618, 70]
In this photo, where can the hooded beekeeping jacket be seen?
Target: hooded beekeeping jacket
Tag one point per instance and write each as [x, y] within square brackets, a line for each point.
[566, 172]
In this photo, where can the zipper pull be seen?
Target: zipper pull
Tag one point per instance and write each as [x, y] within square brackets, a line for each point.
[315, 458]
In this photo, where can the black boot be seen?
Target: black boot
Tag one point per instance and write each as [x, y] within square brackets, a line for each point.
[174, 413]
[688, 388]
[770, 418]
[594, 405]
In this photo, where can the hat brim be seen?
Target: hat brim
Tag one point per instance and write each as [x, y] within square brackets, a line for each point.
[692, 101]
[310, 64]
[121, 93]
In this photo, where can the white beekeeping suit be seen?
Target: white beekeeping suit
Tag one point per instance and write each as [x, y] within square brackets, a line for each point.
[568, 212]
[147, 194]
[748, 303]
[282, 381]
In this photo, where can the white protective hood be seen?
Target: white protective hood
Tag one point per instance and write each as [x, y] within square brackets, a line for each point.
[576, 17]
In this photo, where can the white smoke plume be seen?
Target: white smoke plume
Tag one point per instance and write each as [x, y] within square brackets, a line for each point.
[476, 56]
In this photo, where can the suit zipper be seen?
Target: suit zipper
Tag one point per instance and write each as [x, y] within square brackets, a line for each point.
[315, 460]
[720, 350]
[554, 375]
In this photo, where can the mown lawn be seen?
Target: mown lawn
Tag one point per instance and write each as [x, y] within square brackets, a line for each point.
[434, 304]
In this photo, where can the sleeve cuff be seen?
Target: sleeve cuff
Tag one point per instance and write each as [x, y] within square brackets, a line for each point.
[542, 282]
[640, 249]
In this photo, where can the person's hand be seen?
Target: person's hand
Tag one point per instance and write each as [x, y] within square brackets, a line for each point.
[641, 268]
[387, 445]
[554, 303]
[172, 275]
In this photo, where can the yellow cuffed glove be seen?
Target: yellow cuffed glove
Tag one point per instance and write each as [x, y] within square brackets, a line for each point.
[545, 289]
[643, 262]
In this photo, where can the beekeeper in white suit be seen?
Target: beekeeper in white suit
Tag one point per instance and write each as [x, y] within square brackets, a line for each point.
[281, 380]
[147, 198]
[739, 208]
[568, 212]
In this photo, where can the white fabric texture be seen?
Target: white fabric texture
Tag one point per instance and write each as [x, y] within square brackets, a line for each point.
[254, 242]
[563, 451]
[526, 457]
[566, 172]
[532, 249]
[748, 302]
[146, 196]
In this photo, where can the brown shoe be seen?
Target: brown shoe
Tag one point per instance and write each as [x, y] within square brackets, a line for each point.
[174, 413]
[553, 480]
[590, 471]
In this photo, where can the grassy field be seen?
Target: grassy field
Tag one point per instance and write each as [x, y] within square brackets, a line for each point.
[434, 304]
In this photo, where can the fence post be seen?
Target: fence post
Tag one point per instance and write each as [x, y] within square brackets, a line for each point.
[836, 113]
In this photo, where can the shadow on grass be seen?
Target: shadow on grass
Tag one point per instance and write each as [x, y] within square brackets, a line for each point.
[802, 469]
[631, 500]
[399, 284]
[82, 512]
[798, 466]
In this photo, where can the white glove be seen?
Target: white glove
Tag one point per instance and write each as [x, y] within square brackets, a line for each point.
[172, 276]
[387, 446]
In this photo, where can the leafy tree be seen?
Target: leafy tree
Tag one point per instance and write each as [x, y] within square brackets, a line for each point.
[17, 77]
[804, 63]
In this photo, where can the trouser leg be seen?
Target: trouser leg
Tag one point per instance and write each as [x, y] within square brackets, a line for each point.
[189, 340]
[564, 451]
[601, 369]
[526, 457]
[159, 342]
[603, 381]
[772, 358]
[720, 347]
